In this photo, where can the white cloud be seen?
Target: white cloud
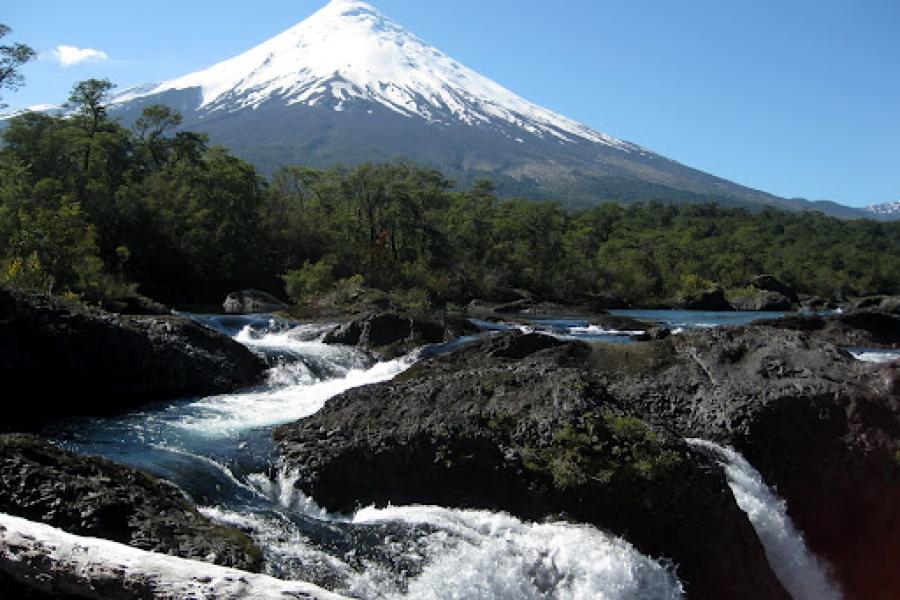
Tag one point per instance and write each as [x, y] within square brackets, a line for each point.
[72, 55]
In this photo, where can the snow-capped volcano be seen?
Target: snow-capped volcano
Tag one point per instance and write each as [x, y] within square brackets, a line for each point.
[348, 51]
[889, 210]
[349, 85]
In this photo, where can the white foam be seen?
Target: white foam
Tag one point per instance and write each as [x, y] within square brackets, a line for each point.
[802, 574]
[876, 356]
[284, 493]
[483, 555]
[235, 413]
[475, 555]
[598, 330]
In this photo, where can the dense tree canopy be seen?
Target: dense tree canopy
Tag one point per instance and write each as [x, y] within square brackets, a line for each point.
[92, 208]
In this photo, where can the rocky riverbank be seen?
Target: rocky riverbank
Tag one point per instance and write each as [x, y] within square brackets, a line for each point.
[93, 497]
[96, 498]
[514, 422]
[85, 361]
[540, 427]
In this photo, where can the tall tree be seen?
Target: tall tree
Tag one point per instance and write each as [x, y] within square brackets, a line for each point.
[151, 126]
[12, 57]
[88, 98]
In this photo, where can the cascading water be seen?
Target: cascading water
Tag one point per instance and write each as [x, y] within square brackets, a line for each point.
[218, 450]
[802, 574]
[429, 552]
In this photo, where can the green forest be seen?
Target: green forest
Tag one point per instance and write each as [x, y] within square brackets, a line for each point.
[95, 210]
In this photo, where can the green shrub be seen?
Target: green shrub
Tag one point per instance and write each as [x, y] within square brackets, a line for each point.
[310, 280]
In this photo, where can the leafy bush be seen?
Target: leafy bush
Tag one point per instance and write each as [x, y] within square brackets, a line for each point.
[310, 280]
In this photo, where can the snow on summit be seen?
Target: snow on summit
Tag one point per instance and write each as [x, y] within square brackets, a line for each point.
[349, 52]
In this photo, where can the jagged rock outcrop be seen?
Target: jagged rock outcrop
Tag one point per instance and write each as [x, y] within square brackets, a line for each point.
[537, 426]
[761, 300]
[93, 497]
[516, 422]
[822, 428]
[395, 334]
[85, 361]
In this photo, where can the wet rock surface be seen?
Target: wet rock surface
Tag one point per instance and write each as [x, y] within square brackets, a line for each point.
[822, 428]
[395, 334]
[537, 427]
[93, 497]
[84, 361]
[516, 422]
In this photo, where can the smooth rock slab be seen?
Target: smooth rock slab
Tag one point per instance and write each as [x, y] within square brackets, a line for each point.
[53, 563]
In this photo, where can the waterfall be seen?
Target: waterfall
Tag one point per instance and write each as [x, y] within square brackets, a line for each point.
[803, 575]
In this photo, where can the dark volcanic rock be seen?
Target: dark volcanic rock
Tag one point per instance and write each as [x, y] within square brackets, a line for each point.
[93, 497]
[135, 304]
[708, 300]
[602, 302]
[620, 323]
[884, 304]
[768, 283]
[252, 301]
[850, 329]
[393, 334]
[761, 300]
[78, 360]
[520, 423]
[538, 427]
[654, 333]
[822, 428]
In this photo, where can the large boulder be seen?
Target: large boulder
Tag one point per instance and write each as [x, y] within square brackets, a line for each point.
[884, 304]
[393, 334]
[712, 300]
[769, 283]
[252, 301]
[93, 497]
[761, 300]
[83, 361]
[519, 423]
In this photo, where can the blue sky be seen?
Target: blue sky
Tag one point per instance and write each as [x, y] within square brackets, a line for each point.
[800, 98]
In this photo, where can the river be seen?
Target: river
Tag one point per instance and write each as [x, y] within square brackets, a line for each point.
[218, 450]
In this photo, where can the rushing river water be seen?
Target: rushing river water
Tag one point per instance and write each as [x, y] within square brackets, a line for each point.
[219, 451]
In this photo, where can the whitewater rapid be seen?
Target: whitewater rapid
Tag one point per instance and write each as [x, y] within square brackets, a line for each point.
[218, 450]
[450, 554]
